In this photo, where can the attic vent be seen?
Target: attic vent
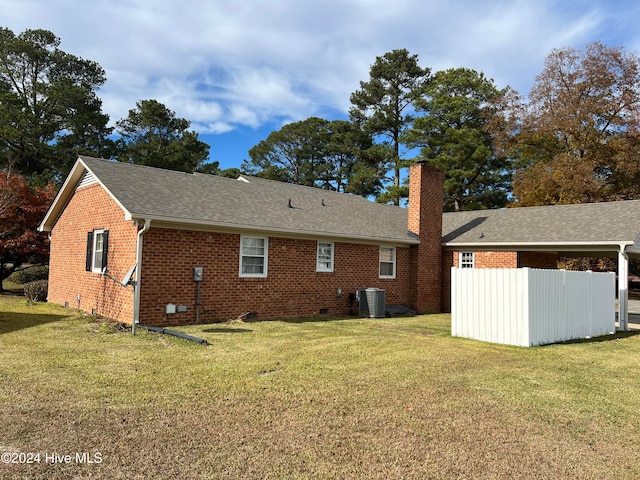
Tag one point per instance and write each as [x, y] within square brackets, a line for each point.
[87, 179]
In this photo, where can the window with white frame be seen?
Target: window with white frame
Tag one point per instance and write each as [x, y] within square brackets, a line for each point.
[387, 262]
[97, 250]
[466, 260]
[253, 256]
[324, 261]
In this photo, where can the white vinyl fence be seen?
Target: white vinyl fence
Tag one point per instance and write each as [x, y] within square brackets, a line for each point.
[527, 307]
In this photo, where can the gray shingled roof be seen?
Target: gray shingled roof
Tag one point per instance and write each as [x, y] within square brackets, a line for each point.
[609, 222]
[255, 203]
[263, 205]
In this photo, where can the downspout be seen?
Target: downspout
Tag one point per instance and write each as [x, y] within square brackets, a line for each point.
[136, 287]
[623, 289]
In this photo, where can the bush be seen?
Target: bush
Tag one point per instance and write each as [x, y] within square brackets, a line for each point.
[37, 291]
[30, 274]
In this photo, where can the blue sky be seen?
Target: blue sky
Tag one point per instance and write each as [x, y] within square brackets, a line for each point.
[241, 69]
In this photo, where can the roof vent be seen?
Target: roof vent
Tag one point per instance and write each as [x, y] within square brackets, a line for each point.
[87, 179]
[290, 206]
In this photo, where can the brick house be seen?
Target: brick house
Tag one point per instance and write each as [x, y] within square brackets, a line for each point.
[276, 250]
[265, 248]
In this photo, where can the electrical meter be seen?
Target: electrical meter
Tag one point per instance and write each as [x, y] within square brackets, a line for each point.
[198, 272]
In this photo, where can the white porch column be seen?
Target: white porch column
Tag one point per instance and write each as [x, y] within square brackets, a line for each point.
[623, 289]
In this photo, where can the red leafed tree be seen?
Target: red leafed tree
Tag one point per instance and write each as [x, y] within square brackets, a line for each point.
[21, 211]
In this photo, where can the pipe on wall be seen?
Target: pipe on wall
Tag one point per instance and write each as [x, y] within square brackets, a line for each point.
[136, 287]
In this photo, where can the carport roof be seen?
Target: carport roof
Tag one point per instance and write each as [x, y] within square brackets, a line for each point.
[582, 225]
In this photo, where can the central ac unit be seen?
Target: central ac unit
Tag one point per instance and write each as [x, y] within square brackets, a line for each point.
[372, 302]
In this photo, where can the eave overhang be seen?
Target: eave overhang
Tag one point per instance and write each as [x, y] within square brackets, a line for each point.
[564, 246]
[226, 227]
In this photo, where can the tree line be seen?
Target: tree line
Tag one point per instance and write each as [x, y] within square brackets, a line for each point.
[50, 113]
[574, 138]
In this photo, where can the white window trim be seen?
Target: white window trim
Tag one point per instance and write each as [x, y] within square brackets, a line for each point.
[266, 258]
[466, 263]
[380, 275]
[94, 251]
[322, 268]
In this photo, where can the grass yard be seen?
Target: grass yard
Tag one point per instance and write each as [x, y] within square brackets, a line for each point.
[316, 399]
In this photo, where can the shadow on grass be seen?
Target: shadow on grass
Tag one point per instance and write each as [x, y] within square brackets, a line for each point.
[226, 330]
[602, 338]
[12, 322]
[13, 291]
[326, 318]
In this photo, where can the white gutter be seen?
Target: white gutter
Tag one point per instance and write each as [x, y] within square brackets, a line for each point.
[136, 288]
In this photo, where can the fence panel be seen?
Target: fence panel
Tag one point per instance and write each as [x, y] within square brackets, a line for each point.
[529, 307]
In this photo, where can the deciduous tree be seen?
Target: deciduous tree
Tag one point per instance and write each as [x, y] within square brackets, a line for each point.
[21, 211]
[577, 139]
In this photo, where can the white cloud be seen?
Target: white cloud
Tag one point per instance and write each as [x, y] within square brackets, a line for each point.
[226, 63]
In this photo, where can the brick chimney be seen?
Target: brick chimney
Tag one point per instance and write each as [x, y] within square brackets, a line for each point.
[426, 192]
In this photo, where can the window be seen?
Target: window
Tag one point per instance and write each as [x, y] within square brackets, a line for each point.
[325, 257]
[253, 256]
[387, 262]
[466, 259]
[97, 250]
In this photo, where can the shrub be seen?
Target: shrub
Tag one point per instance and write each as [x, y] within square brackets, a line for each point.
[37, 291]
[30, 274]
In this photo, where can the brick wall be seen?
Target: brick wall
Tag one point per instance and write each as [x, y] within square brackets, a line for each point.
[92, 208]
[426, 191]
[292, 288]
[447, 262]
[538, 260]
[490, 259]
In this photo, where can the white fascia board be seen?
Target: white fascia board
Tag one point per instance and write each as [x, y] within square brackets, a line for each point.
[181, 224]
[633, 249]
[540, 246]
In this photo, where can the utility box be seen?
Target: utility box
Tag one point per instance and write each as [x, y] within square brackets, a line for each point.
[372, 302]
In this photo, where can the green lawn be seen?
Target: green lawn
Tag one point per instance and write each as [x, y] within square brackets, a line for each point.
[349, 398]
